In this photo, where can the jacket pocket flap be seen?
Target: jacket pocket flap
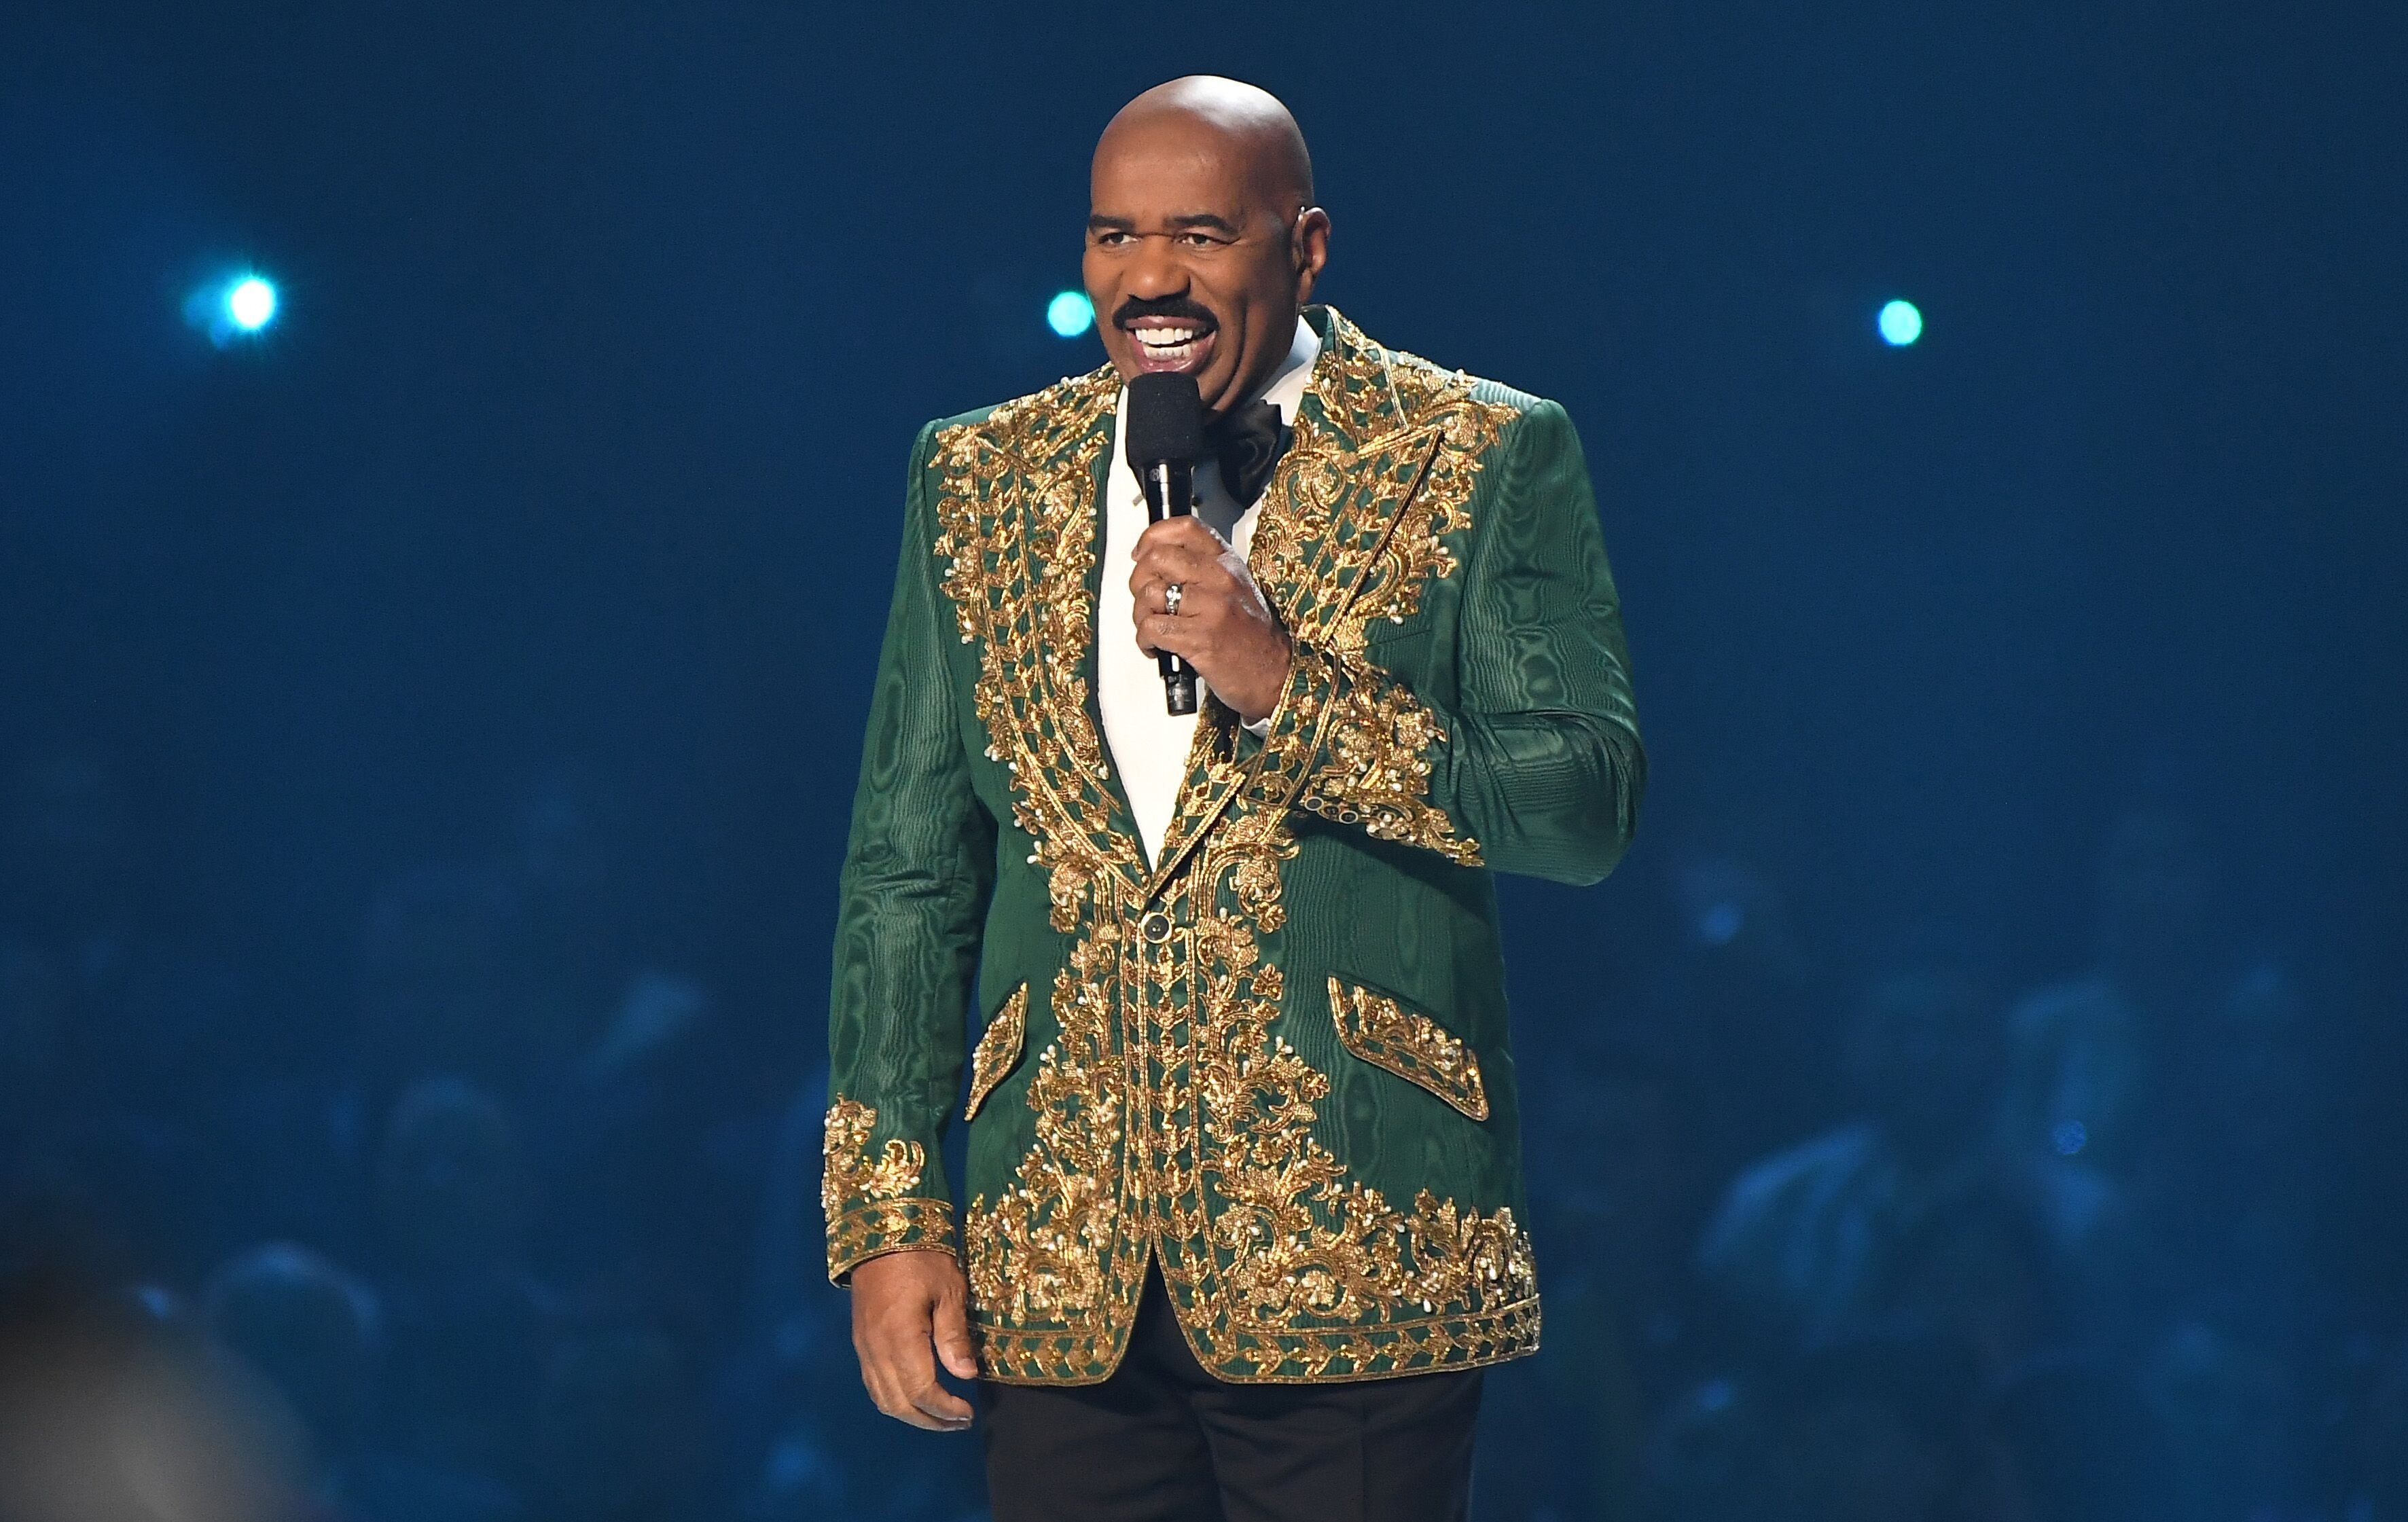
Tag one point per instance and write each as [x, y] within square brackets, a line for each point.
[1414, 1047]
[998, 1049]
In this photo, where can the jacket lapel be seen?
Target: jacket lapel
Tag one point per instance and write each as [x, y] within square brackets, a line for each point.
[1363, 446]
[1126, 845]
[1021, 536]
[1067, 508]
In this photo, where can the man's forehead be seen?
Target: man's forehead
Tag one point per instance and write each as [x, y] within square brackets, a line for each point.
[1188, 149]
[1196, 161]
[1175, 192]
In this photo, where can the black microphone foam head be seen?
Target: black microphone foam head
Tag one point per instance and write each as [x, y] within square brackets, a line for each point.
[1166, 419]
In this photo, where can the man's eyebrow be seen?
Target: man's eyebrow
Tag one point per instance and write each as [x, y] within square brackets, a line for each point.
[1098, 222]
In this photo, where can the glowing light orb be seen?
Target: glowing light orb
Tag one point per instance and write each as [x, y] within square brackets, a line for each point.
[1901, 323]
[251, 304]
[1069, 314]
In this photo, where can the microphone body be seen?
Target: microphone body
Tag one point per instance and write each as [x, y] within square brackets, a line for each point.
[1165, 439]
[1170, 493]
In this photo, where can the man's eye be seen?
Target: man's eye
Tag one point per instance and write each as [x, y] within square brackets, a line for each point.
[1196, 240]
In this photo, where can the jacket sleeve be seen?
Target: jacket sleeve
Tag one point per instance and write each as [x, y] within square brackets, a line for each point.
[919, 868]
[1537, 769]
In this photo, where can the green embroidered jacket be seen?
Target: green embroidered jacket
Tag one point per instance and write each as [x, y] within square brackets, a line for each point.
[1275, 1060]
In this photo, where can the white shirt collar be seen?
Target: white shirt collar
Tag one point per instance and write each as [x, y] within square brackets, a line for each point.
[1287, 383]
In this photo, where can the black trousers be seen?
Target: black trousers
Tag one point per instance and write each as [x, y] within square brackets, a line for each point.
[1163, 1440]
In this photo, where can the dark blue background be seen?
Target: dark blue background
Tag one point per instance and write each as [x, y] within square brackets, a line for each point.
[575, 453]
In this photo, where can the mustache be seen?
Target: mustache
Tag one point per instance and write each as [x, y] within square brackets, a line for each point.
[1137, 308]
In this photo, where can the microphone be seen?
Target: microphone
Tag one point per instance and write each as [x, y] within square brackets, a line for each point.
[1166, 438]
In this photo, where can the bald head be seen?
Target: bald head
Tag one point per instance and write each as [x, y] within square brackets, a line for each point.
[1203, 241]
[1244, 122]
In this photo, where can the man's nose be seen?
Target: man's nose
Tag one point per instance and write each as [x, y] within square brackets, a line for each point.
[1157, 271]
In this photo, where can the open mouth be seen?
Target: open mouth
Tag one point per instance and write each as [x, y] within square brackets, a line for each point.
[1171, 343]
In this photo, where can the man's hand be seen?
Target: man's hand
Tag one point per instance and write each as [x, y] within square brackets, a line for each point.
[902, 1302]
[1223, 628]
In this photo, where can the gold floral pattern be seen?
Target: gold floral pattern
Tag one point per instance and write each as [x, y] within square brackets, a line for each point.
[1266, 1242]
[1018, 532]
[888, 1226]
[1040, 1250]
[1409, 1044]
[850, 1172]
[1378, 744]
[1169, 1116]
[866, 1195]
[998, 1049]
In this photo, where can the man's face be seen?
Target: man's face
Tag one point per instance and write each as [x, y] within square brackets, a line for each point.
[1197, 259]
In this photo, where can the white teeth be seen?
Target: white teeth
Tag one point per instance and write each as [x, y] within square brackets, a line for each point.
[1166, 337]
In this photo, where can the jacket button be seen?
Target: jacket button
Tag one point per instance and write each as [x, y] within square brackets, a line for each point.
[1155, 928]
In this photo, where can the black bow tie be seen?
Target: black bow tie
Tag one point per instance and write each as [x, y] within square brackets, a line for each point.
[1249, 441]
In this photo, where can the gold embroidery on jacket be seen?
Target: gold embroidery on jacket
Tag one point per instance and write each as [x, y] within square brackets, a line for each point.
[1018, 529]
[887, 1225]
[850, 1172]
[868, 1196]
[1409, 1044]
[998, 1049]
[1268, 1231]
[1169, 1113]
[1017, 526]
[1378, 770]
[1330, 585]
[1039, 1253]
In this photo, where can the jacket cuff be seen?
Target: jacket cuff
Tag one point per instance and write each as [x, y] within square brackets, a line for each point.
[872, 1196]
[1363, 744]
[875, 1228]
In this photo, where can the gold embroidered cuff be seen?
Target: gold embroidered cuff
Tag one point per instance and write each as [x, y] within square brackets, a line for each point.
[876, 1226]
[866, 1194]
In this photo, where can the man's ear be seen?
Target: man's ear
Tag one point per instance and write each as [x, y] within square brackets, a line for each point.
[1308, 247]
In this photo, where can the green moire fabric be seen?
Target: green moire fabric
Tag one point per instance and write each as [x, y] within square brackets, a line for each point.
[1276, 1059]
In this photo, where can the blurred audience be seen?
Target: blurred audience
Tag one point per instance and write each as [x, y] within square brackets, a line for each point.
[471, 1323]
[1875, 1428]
[1813, 1242]
[505, 1221]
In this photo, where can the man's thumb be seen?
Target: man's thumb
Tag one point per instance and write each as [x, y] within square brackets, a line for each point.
[953, 1328]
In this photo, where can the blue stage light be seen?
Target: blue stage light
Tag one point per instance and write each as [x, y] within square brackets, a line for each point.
[1901, 323]
[1069, 314]
[251, 304]
[236, 305]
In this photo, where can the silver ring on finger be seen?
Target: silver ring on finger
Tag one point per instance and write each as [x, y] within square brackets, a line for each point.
[1172, 595]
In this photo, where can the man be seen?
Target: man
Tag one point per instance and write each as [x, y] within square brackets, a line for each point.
[1812, 1243]
[1244, 1210]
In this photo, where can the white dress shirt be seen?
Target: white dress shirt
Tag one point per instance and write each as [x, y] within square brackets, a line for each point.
[1148, 746]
